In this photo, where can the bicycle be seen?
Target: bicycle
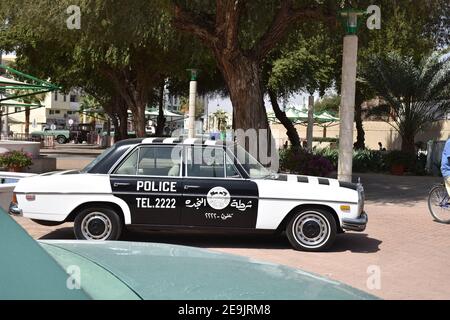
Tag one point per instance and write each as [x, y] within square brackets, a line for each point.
[439, 203]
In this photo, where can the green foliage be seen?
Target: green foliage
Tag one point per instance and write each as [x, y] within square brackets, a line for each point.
[15, 159]
[328, 103]
[305, 62]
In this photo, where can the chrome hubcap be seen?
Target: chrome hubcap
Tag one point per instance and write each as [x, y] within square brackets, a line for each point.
[96, 226]
[311, 229]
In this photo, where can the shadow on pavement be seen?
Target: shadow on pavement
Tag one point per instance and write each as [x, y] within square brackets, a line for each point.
[402, 190]
[358, 243]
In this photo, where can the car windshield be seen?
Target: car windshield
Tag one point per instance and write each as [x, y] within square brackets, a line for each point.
[254, 169]
[97, 160]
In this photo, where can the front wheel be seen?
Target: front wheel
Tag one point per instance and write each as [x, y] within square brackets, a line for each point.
[61, 140]
[99, 224]
[439, 204]
[312, 230]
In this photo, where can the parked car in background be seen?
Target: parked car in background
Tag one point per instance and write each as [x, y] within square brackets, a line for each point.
[170, 183]
[77, 133]
[61, 136]
[81, 270]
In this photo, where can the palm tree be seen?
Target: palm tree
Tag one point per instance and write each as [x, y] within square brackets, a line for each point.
[416, 94]
[222, 118]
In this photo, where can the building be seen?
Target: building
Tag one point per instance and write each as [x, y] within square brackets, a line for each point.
[57, 109]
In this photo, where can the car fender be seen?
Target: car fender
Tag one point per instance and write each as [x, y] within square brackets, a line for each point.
[278, 198]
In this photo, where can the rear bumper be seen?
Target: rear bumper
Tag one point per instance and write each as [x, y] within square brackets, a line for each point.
[358, 224]
[14, 210]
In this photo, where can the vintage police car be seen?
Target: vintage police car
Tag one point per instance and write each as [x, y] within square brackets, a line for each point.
[169, 183]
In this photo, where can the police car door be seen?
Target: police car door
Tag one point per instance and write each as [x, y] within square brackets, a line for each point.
[215, 194]
[149, 181]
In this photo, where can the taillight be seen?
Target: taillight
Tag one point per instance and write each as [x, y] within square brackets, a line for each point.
[14, 198]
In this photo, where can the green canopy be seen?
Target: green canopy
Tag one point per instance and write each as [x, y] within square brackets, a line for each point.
[12, 88]
[300, 116]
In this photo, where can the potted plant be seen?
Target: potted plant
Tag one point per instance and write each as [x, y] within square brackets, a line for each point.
[15, 160]
[398, 162]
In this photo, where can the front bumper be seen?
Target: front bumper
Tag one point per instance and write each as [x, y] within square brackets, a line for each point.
[14, 210]
[358, 224]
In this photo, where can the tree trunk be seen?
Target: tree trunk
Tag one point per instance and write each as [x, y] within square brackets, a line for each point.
[27, 120]
[161, 120]
[408, 144]
[243, 80]
[139, 119]
[291, 132]
[123, 123]
[360, 134]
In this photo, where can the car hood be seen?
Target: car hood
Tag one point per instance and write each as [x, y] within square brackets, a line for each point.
[163, 271]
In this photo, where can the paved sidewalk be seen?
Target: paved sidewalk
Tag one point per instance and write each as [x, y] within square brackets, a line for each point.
[411, 251]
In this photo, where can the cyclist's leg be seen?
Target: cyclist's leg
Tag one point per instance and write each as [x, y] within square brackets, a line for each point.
[447, 184]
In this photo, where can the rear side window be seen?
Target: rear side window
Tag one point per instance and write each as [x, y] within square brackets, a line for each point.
[152, 161]
[160, 161]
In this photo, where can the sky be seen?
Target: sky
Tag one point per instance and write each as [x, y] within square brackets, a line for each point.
[299, 101]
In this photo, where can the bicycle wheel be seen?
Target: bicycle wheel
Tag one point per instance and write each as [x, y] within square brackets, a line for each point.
[439, 204]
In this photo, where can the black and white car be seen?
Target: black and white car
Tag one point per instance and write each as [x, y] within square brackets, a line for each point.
[169, 183]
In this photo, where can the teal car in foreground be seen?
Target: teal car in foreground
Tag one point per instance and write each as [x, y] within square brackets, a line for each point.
[129, 270]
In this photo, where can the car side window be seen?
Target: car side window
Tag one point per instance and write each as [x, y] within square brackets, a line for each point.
[129, 166]
[207, 162]
[160, 161]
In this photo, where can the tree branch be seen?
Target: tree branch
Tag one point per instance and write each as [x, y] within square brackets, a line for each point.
[200, 26]
[281, 23]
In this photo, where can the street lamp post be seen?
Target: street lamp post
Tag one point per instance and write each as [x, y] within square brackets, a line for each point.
[347, 107]
[310, 128]
[192, 98]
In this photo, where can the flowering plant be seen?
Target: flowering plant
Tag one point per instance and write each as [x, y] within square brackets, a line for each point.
[300, 161]
[15, 159]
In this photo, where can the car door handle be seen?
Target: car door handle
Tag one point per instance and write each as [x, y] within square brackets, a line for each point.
[191, 187]
[121, 184]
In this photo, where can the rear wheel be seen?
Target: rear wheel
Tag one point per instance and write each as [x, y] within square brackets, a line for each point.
[312, 230]
[61, 139]
[98, 224]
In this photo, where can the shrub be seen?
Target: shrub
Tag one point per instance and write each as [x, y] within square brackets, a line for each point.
[15, 159]
[368, 160]
[300, 161]
[378, 161]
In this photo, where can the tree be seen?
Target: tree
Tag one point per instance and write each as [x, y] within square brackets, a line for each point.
[304, 63]
[416, 94]
[222, 118]
[240, 43]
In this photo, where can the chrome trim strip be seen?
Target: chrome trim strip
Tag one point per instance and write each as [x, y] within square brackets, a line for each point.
[306, 200]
